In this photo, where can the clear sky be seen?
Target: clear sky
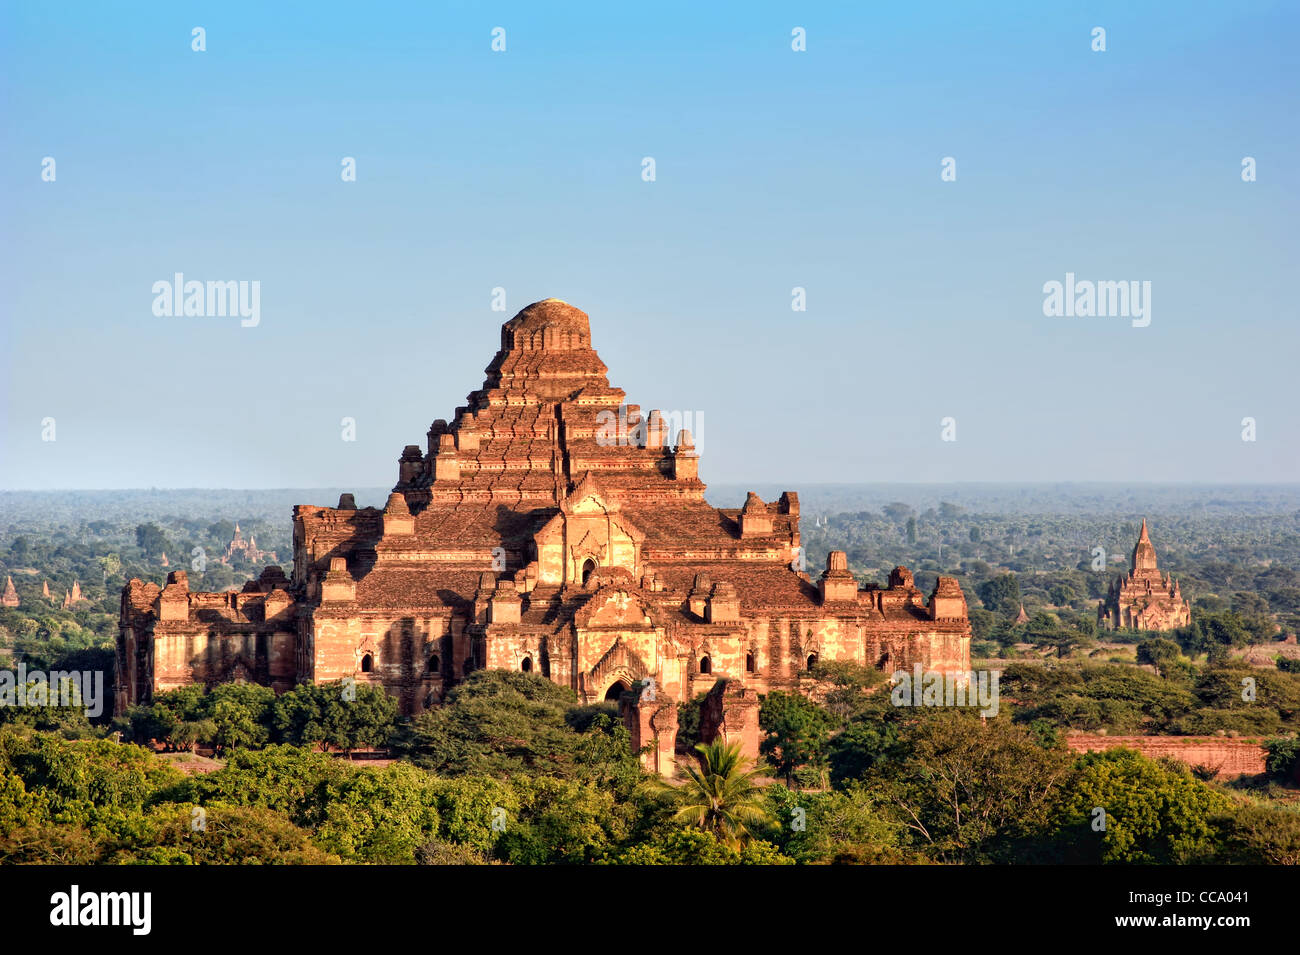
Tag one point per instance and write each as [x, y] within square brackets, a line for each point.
[774, 169]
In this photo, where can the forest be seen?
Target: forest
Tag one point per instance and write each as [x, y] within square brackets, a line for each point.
[513, 769]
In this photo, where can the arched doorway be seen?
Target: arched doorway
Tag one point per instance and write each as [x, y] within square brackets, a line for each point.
[616, 690]
[812, 660]
[706, 665]
[367, 663]
[588, 568]
[527, 665]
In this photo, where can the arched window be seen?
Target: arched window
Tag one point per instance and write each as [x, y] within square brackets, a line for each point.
[367, 663]
[588, 568]
[433, 663]
[527, 665]
[706, 665]
[812, 660]
[749, 663]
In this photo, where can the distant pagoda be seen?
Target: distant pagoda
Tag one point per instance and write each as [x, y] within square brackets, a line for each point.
[10, 598]
[73, 596]
[246, 549]
[1144, 599]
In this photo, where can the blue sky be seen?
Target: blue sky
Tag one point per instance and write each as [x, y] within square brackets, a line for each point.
[774, 169]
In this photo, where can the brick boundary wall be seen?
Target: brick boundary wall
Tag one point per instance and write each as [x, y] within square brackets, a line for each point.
[1230, 756]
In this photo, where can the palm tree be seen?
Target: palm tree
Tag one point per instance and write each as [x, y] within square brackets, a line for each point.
[720, 796]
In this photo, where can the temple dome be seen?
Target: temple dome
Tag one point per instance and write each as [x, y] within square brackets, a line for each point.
[550, 324]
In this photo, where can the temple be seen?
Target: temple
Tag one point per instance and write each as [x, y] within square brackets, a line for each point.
[1144, 599]
[549, 527]
[238, 548]
[72, 597]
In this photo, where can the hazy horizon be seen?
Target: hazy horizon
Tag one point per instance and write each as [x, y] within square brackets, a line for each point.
[727, 484]
[1132, 500]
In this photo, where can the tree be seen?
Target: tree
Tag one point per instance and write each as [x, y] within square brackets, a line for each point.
[911, 530]
[898, 512]
[835, 827]
[230, 836]
[1000, 594]
[561, 821]
[1248, 604]
[1062, 595]
[1154, 812]
[286, 779]
[20, 551]
[982, 622]
[346, 716]
[797, 732]
[500, 722]
[379, 816]
[110, 564]
[151, 539]
[1214, 633]
[859, 747]
[1159, 653]
[1258, 834]
[1283, 760]
[697, 847]
[850, 693]
[971, 791]
[241, 715]
[720, 796]
[688, 723]
[222, 530]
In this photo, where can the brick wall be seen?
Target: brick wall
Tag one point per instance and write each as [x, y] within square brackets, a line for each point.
[1230, 756]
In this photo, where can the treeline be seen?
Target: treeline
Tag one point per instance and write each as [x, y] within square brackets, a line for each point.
[101, 556]
[513, 770]
[344, 715]
[1218, 626]
[1246, 563]
[1185, 699]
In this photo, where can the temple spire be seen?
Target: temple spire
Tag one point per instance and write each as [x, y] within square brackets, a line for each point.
[1144, 556]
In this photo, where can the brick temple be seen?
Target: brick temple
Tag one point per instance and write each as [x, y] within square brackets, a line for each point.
[240, 549]
[551, 528]
[1144, 599]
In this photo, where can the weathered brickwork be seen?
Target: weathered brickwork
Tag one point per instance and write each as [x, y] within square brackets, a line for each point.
[1227, 757]
[549, 527]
